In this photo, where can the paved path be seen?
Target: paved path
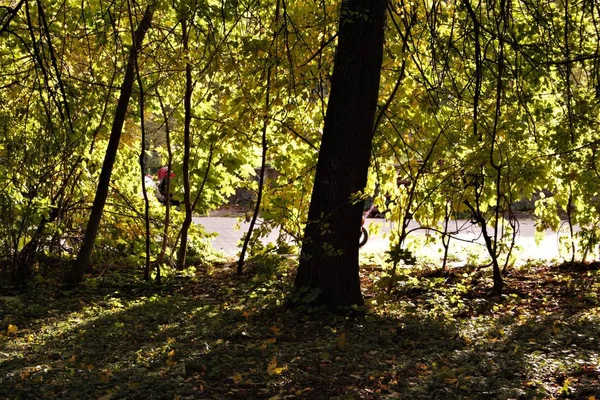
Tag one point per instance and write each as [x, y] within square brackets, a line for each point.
[230, 232]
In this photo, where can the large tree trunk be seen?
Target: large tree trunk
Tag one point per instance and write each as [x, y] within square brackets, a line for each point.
[329, 258]
[83, 257]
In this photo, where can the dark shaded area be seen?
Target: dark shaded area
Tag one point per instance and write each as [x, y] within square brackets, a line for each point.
[216, 335]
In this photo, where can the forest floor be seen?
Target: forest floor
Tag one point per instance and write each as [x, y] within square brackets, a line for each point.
[211, 334]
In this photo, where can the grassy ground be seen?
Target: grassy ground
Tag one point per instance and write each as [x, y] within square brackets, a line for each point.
[214, 335]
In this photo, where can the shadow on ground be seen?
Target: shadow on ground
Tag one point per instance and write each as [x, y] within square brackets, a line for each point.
[221, 336]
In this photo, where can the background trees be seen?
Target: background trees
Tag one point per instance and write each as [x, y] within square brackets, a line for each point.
[480, 104]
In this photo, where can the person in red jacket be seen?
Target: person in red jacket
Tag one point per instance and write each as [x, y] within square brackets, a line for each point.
[161, 193]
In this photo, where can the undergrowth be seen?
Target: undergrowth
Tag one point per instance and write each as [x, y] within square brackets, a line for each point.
[212, 334]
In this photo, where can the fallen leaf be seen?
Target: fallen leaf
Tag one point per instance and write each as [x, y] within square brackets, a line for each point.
[171, 362]
[12, 330]
[272, 368]
[267, 342]
[341, 340]
[105, 377]
[589, 370]
[237, 378]
[275, 329]
[171, 353]
[451, 381]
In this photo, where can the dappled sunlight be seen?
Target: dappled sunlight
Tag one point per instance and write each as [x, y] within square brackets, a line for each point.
[436, 334]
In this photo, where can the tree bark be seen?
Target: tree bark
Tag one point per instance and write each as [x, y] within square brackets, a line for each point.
[329, 257]
[142, 161]
[182, 252]
[83, 257]
[165, 239]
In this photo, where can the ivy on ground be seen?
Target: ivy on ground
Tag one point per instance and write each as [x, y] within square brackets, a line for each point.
[214, 335]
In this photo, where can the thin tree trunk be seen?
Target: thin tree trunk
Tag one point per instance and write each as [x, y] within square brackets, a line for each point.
[569, 95]
[329, 257]
[181, 254]
[261, 176]
[142, 161]
[83, 257]
[489, 244]
[165, 241]
[261, 179]
[445, 236]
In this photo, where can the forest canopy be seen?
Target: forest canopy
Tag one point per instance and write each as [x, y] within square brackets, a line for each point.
[300, 113]
[481, 104]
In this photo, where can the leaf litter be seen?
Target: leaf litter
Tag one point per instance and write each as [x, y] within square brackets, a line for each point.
[437, 335]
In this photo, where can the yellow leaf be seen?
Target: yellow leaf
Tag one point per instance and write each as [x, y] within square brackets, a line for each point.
[237, 378]
[89, 367]
[30, 338]
[171, 353]
[170, 340]
[272, 366]
[72, 359]
[12, 330]
[177, 397]
[24, 375]
[592, 398]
